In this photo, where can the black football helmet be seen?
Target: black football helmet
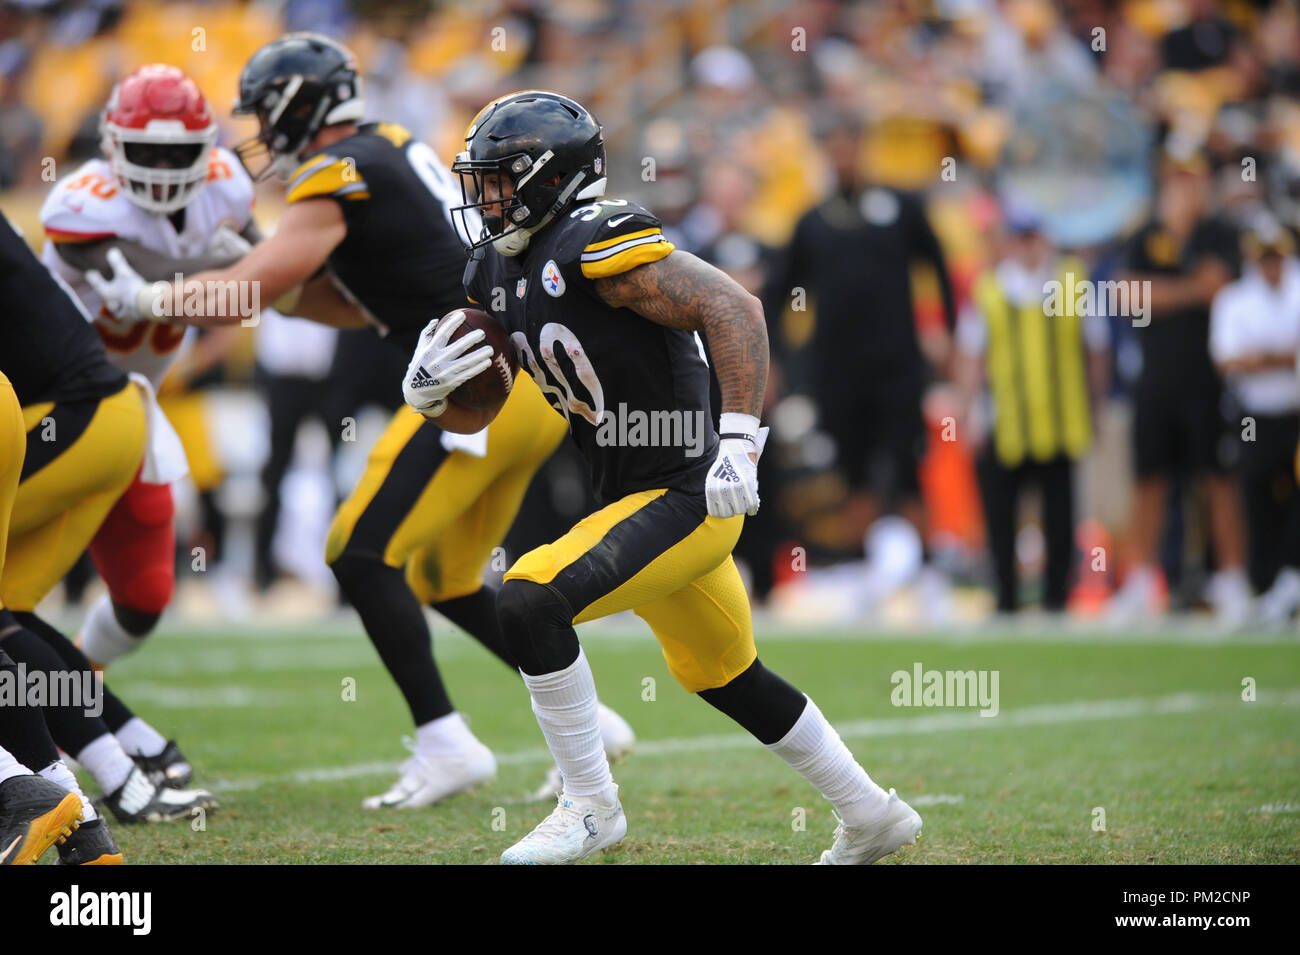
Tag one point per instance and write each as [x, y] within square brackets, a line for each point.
[295, 86]
[550, 148]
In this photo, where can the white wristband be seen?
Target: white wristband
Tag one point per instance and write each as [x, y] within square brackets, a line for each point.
[733, 423]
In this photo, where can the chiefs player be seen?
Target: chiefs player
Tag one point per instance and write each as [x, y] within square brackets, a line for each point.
[171, 202]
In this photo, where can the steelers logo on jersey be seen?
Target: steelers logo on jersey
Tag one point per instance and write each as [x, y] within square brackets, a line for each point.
[552, 280]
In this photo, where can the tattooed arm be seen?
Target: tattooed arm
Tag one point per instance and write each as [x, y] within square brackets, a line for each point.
[682, 291]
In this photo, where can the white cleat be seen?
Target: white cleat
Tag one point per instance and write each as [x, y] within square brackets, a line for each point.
[577, 827]
[619, 741]
[862, 845]
[427, 779]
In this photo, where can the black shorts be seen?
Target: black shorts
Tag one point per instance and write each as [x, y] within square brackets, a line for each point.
[1181, 429]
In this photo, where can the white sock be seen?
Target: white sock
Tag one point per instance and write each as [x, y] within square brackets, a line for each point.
[58, 772]
[138, 738]
[10, 767]
[815, 751]
[107, 762]
[102, 638]
[565, 705]
[444, 736]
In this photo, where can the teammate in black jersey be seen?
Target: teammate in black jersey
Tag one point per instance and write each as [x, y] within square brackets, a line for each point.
[603, 313]
[67, 452]
[368, 239]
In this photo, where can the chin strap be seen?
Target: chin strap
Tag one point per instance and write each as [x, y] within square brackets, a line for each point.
[513, 242]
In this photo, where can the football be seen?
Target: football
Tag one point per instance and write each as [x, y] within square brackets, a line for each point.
[489, 389]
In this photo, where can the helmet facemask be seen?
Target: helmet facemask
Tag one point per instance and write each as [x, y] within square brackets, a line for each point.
[539, 193]
[159, 169]
[289, 115]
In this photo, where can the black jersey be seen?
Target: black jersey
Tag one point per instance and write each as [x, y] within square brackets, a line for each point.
[1176, 345]
[401, 258]
[48, 348]
[636, 394]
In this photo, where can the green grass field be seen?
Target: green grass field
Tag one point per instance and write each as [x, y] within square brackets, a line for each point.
[1152, 731]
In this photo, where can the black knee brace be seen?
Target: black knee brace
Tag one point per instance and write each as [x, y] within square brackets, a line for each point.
[760, 701]
[537, 625]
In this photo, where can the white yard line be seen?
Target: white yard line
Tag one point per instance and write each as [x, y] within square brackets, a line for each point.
[1043, 715]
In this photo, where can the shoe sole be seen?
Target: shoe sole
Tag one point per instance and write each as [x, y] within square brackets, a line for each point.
[49, 829]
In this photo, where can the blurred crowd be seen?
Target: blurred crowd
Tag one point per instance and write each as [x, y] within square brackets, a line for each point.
[896, 180]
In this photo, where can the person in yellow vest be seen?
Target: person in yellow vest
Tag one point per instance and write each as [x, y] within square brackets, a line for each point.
[1043, 364]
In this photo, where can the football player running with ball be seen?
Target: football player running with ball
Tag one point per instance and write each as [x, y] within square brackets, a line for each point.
[603, 313]
[368, 239]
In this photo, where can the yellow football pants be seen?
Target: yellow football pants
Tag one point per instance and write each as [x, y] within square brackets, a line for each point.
[13, 450]
[659, 554]
[80, 457]
[440, 513]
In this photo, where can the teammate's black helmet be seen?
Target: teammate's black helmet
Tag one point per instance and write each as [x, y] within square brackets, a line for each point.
[294, 86]
[550, 148]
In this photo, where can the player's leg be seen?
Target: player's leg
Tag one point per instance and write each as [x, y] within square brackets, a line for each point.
[77, 718]
[134, 551]
[80, 457]
[707, 637]
[448, 575]
[159, 758]
[633, 552]
[412, 491]
[399, 469]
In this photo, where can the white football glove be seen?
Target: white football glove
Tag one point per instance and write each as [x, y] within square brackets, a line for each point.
[438, 368]
[731, 487]
[226, 243]
[127, 296]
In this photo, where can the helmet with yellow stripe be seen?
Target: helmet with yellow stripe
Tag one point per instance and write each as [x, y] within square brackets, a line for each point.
[549, 149]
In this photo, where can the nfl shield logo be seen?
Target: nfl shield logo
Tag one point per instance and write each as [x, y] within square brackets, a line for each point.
[520, 287]
[596, 164]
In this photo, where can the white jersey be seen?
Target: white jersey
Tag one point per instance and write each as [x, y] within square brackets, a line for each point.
[89, 205]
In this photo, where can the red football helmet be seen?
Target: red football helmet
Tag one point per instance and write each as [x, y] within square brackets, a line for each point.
[157, 131]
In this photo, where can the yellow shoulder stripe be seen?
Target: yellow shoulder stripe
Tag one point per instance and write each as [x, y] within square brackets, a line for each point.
[395, 134]
[326, 176]
[628, 259]
[597, 246]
